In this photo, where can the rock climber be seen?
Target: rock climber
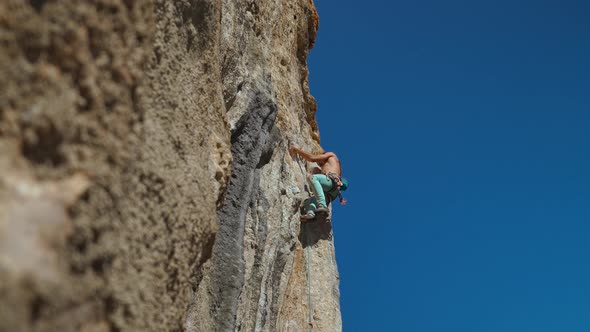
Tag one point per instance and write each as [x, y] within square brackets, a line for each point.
[326, 183]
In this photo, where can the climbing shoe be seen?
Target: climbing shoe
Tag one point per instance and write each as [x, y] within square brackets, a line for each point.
[307, 217]
[321, 209]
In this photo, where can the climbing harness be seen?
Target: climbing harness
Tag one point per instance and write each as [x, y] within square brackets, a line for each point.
[335, 190]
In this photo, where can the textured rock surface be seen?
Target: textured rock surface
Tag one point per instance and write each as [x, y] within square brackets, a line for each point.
[120, 125]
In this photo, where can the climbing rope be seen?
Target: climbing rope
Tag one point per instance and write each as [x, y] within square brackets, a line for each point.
[300, 166]
[305, 187]
[307, 256]
[309, 305]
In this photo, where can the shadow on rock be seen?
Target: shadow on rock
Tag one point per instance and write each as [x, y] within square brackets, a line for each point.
[312, 232]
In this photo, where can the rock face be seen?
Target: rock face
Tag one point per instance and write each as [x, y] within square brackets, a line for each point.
[145, 182]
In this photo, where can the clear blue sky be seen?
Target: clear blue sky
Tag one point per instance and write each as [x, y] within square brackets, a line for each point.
[464, 128]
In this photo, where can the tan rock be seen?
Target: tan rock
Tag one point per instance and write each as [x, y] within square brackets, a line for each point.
[133, 132]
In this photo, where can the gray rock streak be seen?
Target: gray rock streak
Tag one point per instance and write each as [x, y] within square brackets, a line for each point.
[249, 140]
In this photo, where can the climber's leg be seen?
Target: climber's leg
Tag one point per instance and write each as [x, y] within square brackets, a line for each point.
[309, 206]
[319, 183]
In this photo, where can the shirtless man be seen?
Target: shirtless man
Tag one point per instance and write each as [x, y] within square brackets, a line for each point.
[328, 182]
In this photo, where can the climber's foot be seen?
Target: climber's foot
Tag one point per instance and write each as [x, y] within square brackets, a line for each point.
[307, 217]
[321, 209]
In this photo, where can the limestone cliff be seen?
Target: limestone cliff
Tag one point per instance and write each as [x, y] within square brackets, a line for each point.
[145, 181]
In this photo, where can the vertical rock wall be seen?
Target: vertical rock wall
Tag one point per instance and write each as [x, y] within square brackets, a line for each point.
[133, 132]
[265, 45]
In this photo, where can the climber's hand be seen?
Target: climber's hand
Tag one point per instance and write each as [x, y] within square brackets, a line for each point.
[293, 149]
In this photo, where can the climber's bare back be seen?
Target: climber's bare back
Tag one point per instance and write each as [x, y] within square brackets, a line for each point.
[328, 161]
[331, 164]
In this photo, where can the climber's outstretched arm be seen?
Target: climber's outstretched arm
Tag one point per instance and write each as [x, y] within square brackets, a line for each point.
[316, 158]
